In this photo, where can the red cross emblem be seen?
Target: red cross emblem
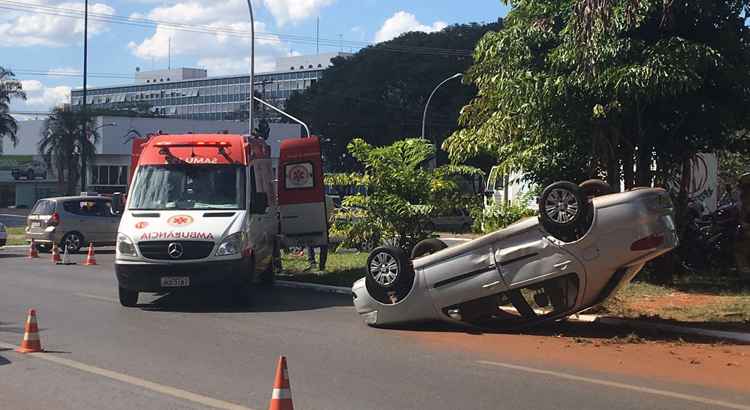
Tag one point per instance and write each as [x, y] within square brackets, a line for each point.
[180, 220]
[299, 175]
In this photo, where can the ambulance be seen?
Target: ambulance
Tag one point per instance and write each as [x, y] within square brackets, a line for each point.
[207, 209]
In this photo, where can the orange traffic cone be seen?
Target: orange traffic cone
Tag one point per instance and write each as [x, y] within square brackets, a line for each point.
[90, 259]
[56, 259]
[281, 398]
[33, 253]
[31, 342]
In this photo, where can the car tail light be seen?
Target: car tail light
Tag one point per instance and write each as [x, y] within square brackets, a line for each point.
[54, 220]
[649, 242]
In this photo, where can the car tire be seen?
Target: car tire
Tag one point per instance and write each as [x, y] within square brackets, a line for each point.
[128, 298]
[43, 247]
[595, 187]
[563, 206]
[242, 290]
[387, 267]
[427, 247]
[267, 277]
[73, 241]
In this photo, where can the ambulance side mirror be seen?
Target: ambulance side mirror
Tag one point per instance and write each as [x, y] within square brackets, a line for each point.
[259, 203]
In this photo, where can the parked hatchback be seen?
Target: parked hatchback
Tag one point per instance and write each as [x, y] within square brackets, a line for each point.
[72, 222]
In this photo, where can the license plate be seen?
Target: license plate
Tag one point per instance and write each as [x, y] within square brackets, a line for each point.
[175, 281]
[36, 224]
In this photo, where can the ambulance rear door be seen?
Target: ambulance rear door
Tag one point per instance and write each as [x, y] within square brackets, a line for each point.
[301, 192]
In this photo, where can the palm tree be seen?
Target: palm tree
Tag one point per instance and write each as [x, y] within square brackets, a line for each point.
[9, 88]
[60, 145]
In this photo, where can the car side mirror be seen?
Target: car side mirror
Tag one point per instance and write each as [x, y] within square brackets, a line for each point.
[259, 203]
[117, 203]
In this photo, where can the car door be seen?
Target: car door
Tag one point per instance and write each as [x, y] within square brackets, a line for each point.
[109, 222]
[534, 258]
[467, 273]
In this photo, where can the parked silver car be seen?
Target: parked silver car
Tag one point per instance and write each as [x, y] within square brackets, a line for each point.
[72, 222]
[578, 252]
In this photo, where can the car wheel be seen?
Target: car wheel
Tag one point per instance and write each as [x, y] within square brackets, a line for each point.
[43, 247]
[387, 267]
[267, 277]
[595, 187]
[562, 207]
[128, 298]
[72, 241]
[427, 247]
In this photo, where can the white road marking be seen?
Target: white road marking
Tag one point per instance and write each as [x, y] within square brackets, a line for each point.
[95, 297]
[617, 385]
[135, 381]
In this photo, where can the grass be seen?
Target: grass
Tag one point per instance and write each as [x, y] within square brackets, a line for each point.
[682, 303]
[16, 236]
[342, 269]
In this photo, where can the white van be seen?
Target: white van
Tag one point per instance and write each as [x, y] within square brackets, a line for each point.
[205, 209]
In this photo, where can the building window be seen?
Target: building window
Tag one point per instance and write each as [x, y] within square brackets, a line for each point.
[109, 175]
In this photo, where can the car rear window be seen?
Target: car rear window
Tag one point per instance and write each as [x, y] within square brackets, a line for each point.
[89, 207]
[44, 207]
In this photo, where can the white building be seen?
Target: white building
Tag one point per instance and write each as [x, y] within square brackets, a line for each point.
[108, 171]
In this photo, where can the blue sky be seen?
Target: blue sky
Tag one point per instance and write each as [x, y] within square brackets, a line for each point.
[42, 39]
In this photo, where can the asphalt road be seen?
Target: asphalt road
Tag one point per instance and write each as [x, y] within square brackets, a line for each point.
[12, 220]
[195, 351]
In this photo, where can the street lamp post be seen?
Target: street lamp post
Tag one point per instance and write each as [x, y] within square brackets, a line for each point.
[252, 65]
[85, 72]
[427, 105]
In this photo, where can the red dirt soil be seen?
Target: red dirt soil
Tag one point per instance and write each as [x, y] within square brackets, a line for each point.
[716, 365]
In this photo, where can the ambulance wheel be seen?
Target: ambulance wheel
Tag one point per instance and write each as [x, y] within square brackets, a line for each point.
[128, 298]
[268, 276]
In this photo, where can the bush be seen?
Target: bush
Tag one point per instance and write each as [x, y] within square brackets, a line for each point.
[401, 197]
[499, 216]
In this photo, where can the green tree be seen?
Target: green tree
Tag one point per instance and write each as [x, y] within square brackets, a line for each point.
[9, 88]
[402, 194]
[646, 86]
[379, 93]
[60, 145]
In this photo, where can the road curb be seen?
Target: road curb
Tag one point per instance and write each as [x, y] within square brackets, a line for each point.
[314, 286]
[693, 331]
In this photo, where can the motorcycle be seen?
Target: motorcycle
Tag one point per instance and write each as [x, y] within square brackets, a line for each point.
[708, 240]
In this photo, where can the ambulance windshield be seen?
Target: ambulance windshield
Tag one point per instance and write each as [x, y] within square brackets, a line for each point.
[188, 186]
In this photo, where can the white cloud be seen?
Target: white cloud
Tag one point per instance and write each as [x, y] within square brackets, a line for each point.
[403, 22]
[19, 29]
[42, 97]
[219, 52]
[294, 11]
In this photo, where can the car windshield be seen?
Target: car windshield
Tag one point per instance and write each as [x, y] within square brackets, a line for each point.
[183, 186]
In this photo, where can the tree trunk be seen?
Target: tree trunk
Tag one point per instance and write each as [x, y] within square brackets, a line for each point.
[627, 167]
[644, 165]
[667, 265]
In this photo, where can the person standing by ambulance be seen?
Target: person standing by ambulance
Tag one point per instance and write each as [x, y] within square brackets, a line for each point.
[330, 207]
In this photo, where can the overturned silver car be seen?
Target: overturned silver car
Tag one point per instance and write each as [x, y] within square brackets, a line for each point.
[584, 246]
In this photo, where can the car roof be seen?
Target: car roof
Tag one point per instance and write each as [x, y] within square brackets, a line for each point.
[75, 198]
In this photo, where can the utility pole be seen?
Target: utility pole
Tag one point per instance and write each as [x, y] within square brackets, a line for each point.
[84, 136]
[252, 66]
